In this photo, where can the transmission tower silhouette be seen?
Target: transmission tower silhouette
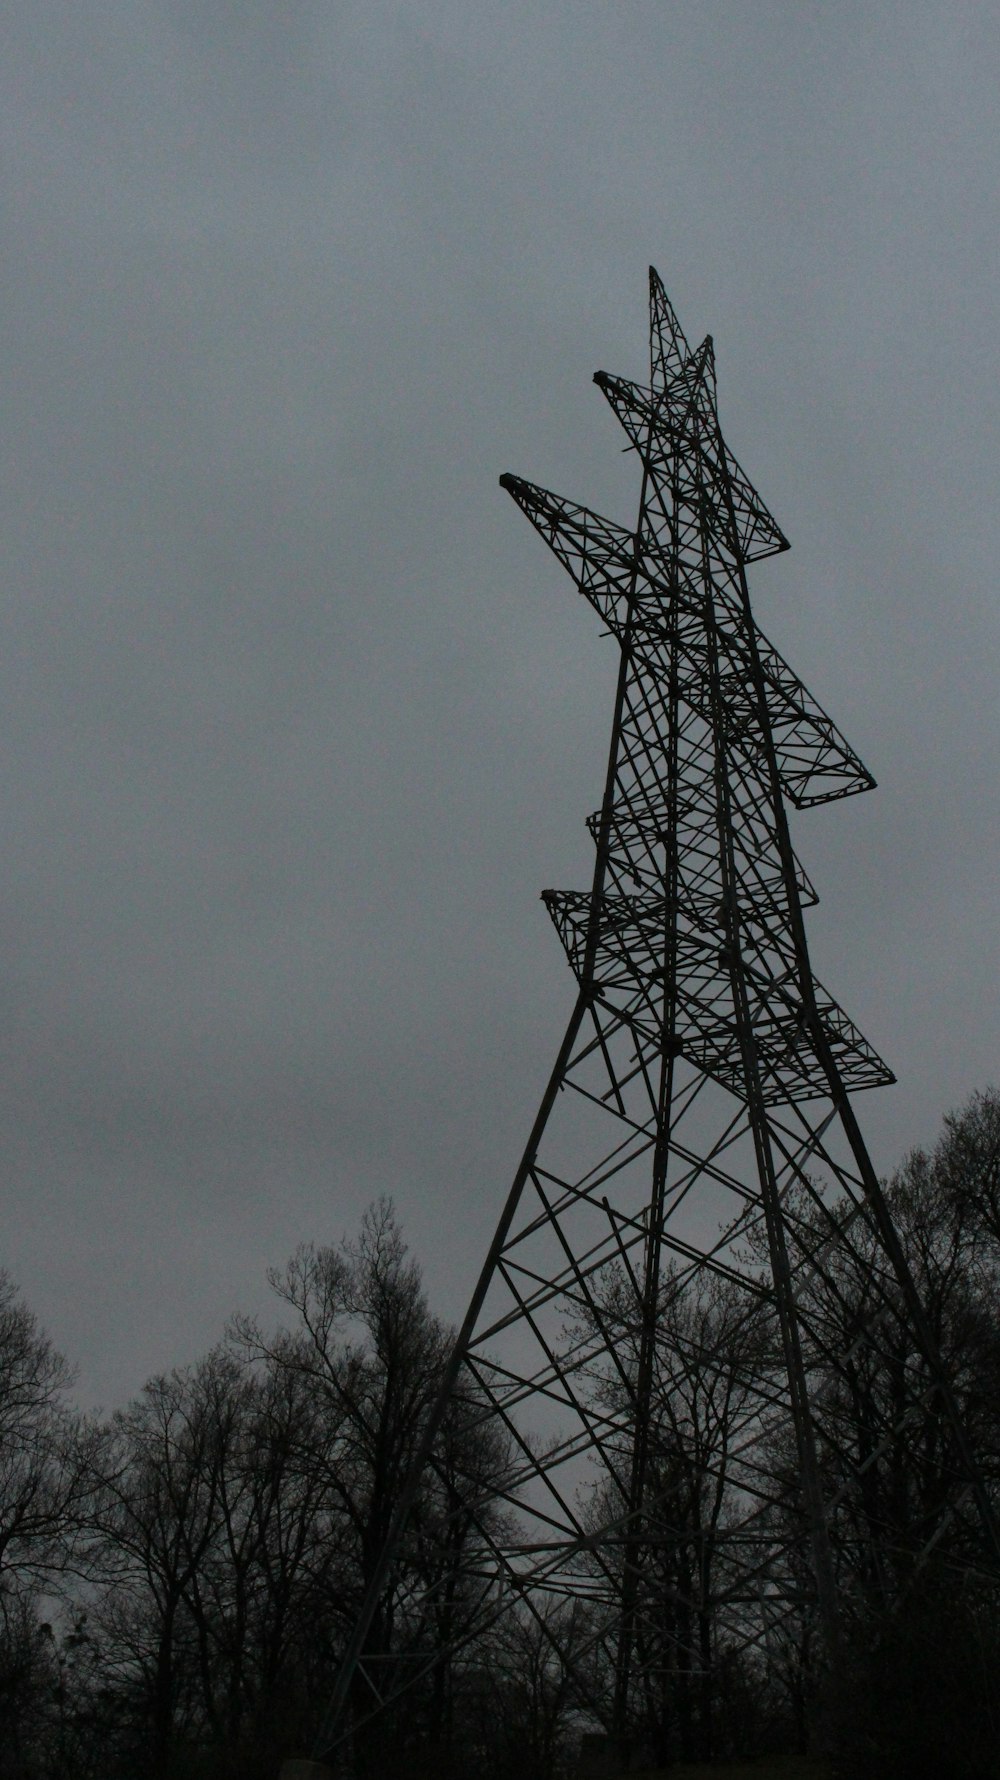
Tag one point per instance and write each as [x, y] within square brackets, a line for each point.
[655, 1327]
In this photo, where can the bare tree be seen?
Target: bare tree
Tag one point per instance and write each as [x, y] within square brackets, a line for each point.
[45, 1454]
[46, 1481]
[712, 1345]
[160, 1521]
[368, 1352]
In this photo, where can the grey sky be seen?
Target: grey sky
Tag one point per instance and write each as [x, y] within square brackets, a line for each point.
[299, 718]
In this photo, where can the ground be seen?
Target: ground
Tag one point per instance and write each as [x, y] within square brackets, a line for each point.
[786, 1768]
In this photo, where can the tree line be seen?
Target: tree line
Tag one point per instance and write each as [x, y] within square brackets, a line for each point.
[178, 1581]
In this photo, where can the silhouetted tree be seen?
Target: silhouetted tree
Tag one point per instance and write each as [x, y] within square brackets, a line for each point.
[370, 1354]
[176, 1587]
[712, 1342]
[46, 1479]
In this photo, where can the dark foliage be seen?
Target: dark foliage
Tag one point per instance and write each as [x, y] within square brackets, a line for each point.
[176, 1585]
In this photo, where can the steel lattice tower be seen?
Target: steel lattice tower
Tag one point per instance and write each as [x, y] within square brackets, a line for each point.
[695, 1184]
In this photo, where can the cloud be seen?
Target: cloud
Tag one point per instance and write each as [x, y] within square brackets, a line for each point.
[298, 720]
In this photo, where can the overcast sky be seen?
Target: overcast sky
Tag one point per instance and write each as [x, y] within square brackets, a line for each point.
[299, 716]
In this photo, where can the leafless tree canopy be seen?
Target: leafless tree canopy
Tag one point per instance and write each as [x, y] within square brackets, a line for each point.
[178, 1581]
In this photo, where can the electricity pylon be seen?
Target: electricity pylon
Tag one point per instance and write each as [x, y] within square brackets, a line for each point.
[695, 1205]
